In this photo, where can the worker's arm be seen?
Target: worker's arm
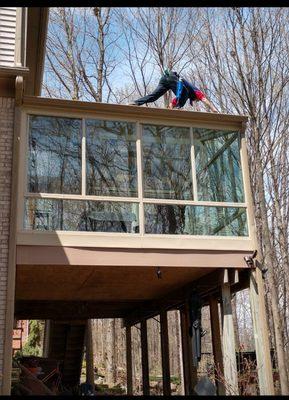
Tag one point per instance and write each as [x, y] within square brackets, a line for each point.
[209, 104]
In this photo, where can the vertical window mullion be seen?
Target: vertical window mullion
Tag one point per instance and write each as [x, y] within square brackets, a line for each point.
[83, 159]
[140, 178]
[27, 153]
[193, 164]
[24, 165]
[246, 183]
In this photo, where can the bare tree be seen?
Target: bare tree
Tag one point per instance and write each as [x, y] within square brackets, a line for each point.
[250, 76]
[239, 57]
[80, 53]
[157, 38]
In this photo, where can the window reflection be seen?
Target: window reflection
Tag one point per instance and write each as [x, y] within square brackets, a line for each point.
[79, 215]
[218, 165]
[195, 220]
[166, 162]
[111, 158]
[54, 164]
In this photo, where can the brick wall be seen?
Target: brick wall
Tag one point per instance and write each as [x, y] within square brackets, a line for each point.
[6, 142]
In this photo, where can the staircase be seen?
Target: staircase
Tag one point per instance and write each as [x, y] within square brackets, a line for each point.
[66, 342]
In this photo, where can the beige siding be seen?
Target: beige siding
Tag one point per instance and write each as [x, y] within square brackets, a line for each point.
[7, 35]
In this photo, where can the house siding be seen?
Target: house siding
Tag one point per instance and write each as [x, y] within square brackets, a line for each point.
[7, 36]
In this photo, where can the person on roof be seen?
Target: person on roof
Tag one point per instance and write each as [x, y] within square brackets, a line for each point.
[182, 89]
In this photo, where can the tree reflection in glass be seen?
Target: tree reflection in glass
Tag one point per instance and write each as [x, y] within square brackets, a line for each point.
[190, 220]
[54, 164]
[167, 170]
[81, 215]
[111, 168]
[218, 165]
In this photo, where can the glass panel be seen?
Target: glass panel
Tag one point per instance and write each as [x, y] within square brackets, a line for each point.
[54, 164]
[111, 158]
[218, 165]
[195, 220]
[79, 215]
[167, 162]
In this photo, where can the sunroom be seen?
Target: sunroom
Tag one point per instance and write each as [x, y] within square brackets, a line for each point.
[141, 178]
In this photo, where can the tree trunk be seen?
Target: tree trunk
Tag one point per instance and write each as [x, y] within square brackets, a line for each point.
[268, 254]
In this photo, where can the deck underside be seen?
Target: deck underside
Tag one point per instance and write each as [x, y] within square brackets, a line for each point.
[71, 283]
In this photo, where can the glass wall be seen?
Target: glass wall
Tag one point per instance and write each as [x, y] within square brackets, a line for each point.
[185, 173]
[54, 164]
[80, 215]
[167, 172]
[218, 166]
[111, 158]
[195, 220]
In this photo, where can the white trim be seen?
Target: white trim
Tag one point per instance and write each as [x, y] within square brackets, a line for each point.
[134, 200]
[247, 189]
[142, 120]
[139, 161]
[133, 240]
[193, 165]
[83, 158]
[23, 158]
[194, 203]
[81, 197]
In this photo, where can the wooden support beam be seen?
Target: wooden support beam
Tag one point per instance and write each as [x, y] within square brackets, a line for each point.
[190, 373]
[229, 347]
[89, 354]
[144, 358]
[226, 276]
[46, 338]
[165, 354]
[261, 333]
[217, 344]
[233, 276]
[129, 390]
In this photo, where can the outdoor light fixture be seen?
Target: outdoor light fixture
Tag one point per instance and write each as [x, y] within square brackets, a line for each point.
[159, 273]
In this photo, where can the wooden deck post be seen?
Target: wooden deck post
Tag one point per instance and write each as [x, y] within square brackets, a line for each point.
[261, 333]
[165, 354]
[144, 358]
[217, 344]
[89, 355]
[190, 372]
[46, 338]
[129, 390]
[229, 346]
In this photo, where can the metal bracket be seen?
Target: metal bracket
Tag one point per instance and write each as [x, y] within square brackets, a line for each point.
[253, 264]
[250, 259]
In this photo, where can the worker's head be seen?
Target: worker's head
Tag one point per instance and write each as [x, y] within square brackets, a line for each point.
[168, 72]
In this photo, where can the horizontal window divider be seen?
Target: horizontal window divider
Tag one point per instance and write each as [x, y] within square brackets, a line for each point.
[73, 233]
[135, 235]
[133, 200]
[81, 197]
[195, 237]
[194, 203]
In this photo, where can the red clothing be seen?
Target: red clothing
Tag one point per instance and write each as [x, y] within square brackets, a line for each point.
[198, 94]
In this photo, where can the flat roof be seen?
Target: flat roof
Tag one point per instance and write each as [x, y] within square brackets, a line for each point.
[134, 112]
